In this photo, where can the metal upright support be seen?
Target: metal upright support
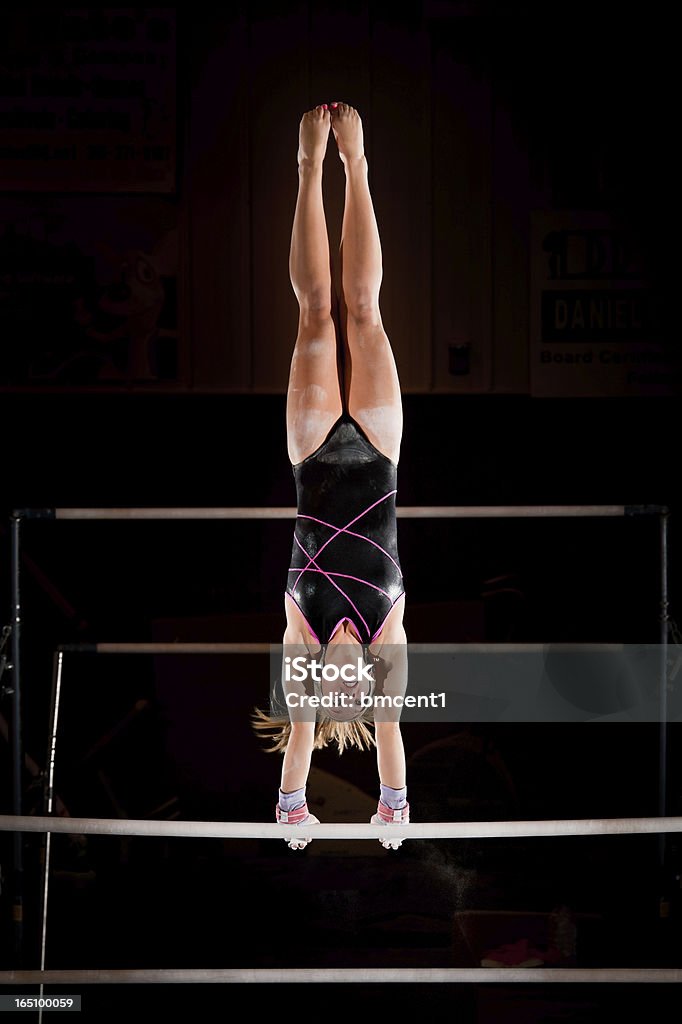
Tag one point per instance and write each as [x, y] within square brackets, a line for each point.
[57, 664]
[664, 631]
[16, 739]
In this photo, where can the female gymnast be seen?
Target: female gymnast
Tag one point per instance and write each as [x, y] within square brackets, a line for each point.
[344, 598]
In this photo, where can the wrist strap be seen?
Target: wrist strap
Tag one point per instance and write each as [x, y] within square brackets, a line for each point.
[294, 817]
[390, 816]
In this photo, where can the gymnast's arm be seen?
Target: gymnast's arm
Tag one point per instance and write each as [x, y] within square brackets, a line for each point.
[391, 668]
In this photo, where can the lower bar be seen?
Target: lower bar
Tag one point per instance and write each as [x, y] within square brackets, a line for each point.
[402, 511]
[179, 648]
[17, 744]
[354, 975]
[192, 647]
[335, 830]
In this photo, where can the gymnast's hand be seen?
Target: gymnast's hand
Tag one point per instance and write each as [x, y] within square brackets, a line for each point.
[300, 843]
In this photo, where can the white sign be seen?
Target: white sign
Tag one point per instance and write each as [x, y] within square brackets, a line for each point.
[597, 323]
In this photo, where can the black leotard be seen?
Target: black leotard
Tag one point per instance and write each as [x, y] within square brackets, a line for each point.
[344, 560]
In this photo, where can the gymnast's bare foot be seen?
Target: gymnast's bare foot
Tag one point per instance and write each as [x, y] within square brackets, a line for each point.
[347, 128]
[313, 135]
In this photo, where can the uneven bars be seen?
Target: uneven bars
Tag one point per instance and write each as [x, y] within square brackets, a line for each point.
[352, 975]
[403, 512]
[195, 647]
[336, 830]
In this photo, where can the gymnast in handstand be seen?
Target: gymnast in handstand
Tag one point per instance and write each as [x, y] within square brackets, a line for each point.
[344, 597]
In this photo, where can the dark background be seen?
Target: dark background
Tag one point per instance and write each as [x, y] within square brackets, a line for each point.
[155, 737]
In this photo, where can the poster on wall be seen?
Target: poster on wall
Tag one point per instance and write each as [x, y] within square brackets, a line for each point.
[89, 292]
[87, 99]
[598, 326]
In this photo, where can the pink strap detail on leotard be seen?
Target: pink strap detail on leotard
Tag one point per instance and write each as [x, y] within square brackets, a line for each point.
[346, 618]
[347, 576]
[352, 533]
[311, 561]
[383, 621]
[310, 628]
[339, 530]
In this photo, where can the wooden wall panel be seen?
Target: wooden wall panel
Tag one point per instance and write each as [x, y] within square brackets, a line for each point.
[511, 243]
[339, 70]
[279, 77]
[217, 200]
[462, 253]
[400, 179]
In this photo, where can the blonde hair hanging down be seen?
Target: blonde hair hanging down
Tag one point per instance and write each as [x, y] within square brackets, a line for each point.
[344, 734]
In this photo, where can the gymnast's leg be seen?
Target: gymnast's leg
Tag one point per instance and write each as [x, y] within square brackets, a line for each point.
[372, 383]
[313, 396]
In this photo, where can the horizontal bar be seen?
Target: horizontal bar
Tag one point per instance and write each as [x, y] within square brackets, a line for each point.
[167, 648]
[403, 512]
[506, 511]
[352, 975]
[263, 648]
[336, 830]
[253, 512]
